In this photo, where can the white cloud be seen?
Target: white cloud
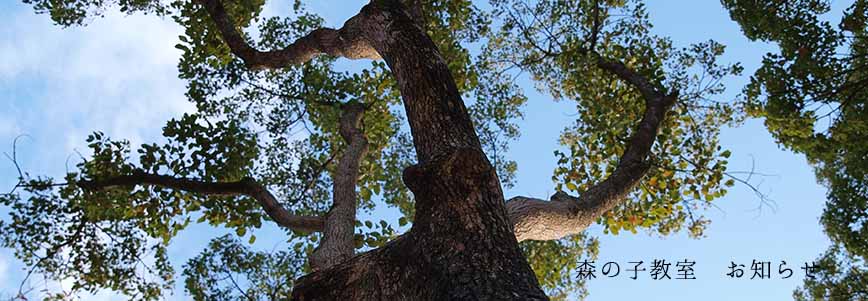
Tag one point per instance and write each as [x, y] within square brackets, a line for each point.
[4, 267]
[118, 74]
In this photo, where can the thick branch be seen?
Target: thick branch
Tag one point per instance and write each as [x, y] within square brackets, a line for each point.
[344, 42]
[337, 244]
[565, 215]
[439, 122]
[536, 219]
[246, 186]
[638, 81]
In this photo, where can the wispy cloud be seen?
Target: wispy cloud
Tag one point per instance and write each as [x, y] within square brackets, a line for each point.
[117, 74]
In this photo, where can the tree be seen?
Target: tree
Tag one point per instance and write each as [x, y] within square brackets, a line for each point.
[812, 95]
[643, 153]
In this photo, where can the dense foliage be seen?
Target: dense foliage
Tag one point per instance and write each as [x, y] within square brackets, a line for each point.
[812, 96]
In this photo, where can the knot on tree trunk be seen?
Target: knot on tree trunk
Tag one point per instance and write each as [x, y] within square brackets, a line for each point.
[457, 192]
[457, 173]
[351, 121]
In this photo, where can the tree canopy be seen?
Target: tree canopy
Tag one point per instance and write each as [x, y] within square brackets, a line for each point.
[811, 94]
[283, 136]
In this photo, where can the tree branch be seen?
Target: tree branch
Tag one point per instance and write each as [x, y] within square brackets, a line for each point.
[340, 222]
[638, 81]
[246, 186]
[565, 215]
[345, 42]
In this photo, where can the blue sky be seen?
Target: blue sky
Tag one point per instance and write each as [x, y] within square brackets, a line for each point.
[118, 75]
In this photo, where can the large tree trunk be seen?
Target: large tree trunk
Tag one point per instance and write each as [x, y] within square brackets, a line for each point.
[461, 245]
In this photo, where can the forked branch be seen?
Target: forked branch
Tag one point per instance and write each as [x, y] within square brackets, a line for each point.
[345, 42]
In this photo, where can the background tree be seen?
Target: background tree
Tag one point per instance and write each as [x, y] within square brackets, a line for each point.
[281, 135]
[812, 96]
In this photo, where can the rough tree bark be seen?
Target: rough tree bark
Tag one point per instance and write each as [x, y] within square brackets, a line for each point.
[340, 222]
